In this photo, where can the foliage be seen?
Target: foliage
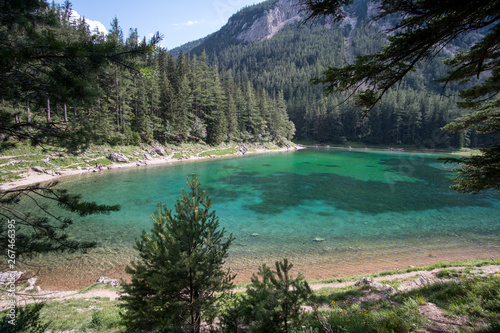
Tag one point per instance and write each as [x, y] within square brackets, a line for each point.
[38, 229]
[96, 314]
[180, 276]
[411, 113]
[27, 320]
[418, 35]
[470, 295]
[272, 304]
[48, 61]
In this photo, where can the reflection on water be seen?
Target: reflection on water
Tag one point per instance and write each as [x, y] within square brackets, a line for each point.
[330, 212]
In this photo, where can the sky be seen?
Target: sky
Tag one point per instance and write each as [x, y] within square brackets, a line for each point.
[179, 21]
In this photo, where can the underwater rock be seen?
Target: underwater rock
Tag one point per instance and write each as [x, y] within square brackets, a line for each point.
[254, 235]
[317, 239]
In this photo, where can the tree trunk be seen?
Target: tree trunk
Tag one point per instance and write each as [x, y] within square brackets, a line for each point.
[98, 99]
[117, 100]
[135, 101]
[28, 109]
[48, 109]
[65, 113]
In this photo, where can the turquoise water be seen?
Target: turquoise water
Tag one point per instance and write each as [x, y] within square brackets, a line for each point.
[331, 212]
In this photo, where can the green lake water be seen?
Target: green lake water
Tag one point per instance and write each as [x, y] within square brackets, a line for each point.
[331, 212]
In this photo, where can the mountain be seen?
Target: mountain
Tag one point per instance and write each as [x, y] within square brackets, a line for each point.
[270, 45]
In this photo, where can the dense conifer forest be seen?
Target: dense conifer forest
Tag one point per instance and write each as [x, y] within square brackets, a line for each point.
[151, 97]
[412, 114]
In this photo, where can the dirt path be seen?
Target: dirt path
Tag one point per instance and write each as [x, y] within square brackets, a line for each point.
[438, 321]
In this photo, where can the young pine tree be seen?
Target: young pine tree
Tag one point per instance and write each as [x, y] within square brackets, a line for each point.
[180, 275]
[272, 303]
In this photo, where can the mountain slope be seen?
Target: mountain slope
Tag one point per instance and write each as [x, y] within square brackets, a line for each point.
[269, 44]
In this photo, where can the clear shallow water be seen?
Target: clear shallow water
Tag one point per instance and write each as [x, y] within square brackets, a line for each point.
[372, 211]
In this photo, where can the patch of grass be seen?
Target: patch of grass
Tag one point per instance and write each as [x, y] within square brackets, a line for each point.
[467, 152]
[326, 296]
[380, 316]
[85, 315]
[8, 176]
[102, 320]
[448, 274]
[98, 286]
[398, 318]
[219, 152]
[478, 297]
[178, 155]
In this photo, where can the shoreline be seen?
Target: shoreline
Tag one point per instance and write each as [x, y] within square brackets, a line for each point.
[32, 177]
[405, 276]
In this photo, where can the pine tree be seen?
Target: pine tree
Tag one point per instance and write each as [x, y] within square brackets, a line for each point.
[180, 275]
[274, 298]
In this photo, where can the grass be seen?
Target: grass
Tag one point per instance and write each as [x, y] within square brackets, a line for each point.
[84, 315]
[219, 152]
[382, 316]
[462, 292]
[466, 152]
[17, 160]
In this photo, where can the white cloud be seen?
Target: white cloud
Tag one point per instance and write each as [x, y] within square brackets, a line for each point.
[91, 23]
[189, 23]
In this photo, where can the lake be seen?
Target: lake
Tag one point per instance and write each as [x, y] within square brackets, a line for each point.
[330, 212]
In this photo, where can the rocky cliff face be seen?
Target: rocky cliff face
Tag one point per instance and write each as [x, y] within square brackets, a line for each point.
[271, 21]
[263, 21]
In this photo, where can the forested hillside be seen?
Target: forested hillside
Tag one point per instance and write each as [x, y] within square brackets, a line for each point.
[149, 97]
[287, 60]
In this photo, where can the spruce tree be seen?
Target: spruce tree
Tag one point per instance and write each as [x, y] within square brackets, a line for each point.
[180, 275]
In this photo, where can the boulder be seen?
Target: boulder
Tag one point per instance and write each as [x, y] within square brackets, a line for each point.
[368, 282]
[38, 169]
[103, 279]
[9, 277]
[32, 281]
[147, 157]
[243, 149]
[351, 299]
[118, 157]
[159, 150]
[365, 280]
[114, 283]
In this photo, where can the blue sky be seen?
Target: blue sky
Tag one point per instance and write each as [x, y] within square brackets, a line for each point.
[179, 21]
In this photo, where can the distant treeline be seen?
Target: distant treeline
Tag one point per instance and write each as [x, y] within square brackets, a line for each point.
[412, 114]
